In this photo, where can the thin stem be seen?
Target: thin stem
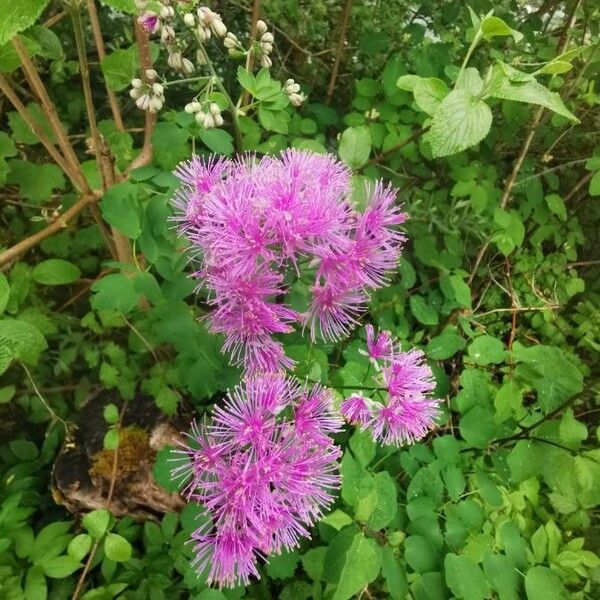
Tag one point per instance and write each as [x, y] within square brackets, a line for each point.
[55, 417]
[188, 80]
[237, 133]
[470, 51]
[99, 41]
[339, 50]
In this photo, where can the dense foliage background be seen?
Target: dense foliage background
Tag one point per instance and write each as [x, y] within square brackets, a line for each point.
[499, 285]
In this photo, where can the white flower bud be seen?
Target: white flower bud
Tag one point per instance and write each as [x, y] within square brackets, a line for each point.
[230, 41]
[167, 35]
[267, 38]
[200, 117]
[189, 19]
[155, 105]
[218, 27]
[151, 74]
[265, 61]
[135, 93]
[296, 99]
[208, 121]
[137, 83]
[201, 57]
[218, 120]
[204, 14]
[187, 66]
[143, 102]
[214, 109]
[157, 89]
[266, 47]
[175, 60]
[164, 12]
[261, 27]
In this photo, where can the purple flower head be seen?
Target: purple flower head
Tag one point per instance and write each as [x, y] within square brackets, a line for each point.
[256, 226]
[407, 414]
[149, 21]
[264, 469]
[357, 410]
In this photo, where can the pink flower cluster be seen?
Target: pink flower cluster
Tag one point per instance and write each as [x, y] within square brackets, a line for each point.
[264, 469]
[260, 225]
[406, 414]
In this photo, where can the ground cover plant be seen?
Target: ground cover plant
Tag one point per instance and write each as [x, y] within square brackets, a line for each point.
[299, 299]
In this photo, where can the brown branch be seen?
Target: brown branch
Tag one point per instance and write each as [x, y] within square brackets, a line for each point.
[383, 155]
[583, 181]
[54, 19]
[61, 222]
[339, 50]
[99, 41]
[58, 158]
[50, 112]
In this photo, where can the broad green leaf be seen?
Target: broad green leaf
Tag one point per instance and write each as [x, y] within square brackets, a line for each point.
[408, 82]
[217, 140]
[96, 523]
[115, 292]
[394, 574]
[539, 544]
[485, 350]
[470, 81]
[572, 432]
[423, 312]
[445, 345]
[355, 146]
[477, 427]
[56, 271]
[111, 437]
[337, 519]
[502, 575]
[594, 188]
[530, 92]
[465, 577]
[79, 546]
[35, 584]
[7, 148]
[18, 16]
[420, 554]
[548, 370]
[460, 121]
[24, 450]
[543, 584]
[60, 567]
[21, 340]
[313, 561]
[120, 208]
[120, 67]
[162, 468]
[361, 565]
[282, 566]
[492, 26]
[429, 93]
[557, 205]
[363, 447]
[110, 414]
[555, 67]
[117, 548]
[387, 504]
[36, 182]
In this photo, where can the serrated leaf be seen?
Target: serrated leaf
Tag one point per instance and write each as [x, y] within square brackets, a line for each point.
[429, 93]
[120, 208]
[21, 340]
[543, 584]
[18, 16]
[460, 121]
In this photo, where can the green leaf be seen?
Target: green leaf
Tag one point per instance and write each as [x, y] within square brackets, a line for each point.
[470, 81]
[363, 447]
[282, 566]
[217, 140]
[96, 523]
[555, 378]
[18, 16]
[360, 566]
[486, 350]
[313, 561]
[126, 6]
[79, 546]
[120, 208]
[22, 340]
[169, 145]
[111, 437]
[555, 67]
[115, 292]
[460, 121]
[477, 427]
[543, 584]
[60, 567]
[111, 414]
[502, 575]
[494, 26]
[4, 292]
[530, 92]
[429, 93]
[539, 544]
[6, 393]
[24, 450]
[595, 184]
[571, 431]
[465, 577]
[161, 470]
[7, 148]
[557, 205]
[355, 146]
[36, 182]
[120, 67]
[117, 548]
[445, 345]
[35, 584]
[420, 554]
[408, 82]
[394, 575]
[56, 271]
[338, 519]
[387, 504]
[422, 311]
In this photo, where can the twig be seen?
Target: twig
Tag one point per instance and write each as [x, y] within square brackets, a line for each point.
[383, 155]
[74, 176]
[250, 59]
[339, 50]
[54, 19]
[61, 222]
[111, 491]
[50, 111]
[98, 40]
[55, 417]
[517, 310]
[583, 181]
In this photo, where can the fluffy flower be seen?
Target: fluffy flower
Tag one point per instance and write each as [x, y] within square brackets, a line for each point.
[265, 468]
[407, 413]
[258, 225]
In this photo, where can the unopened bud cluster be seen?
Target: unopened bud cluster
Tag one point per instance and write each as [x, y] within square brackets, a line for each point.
[292, 89]
[265, 44]
[150, 95]
[207, 115]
